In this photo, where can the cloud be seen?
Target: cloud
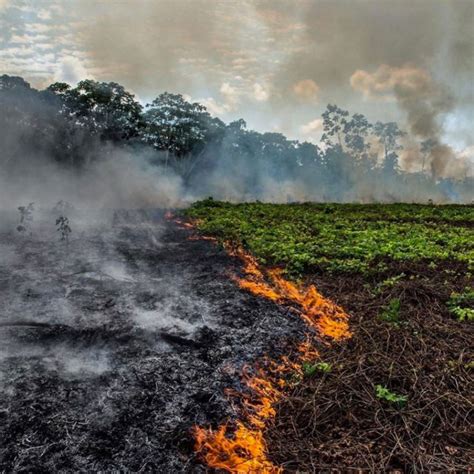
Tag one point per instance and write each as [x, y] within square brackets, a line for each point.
[39, 28]
[213, 107]
[239, 55]
[44, 15]
[306, 90]
[386, 80]
[71, 70]
[230, 100]
[260, 93]
[231, 95]
[312, 127]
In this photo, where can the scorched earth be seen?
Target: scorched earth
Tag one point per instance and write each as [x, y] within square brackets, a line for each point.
[116, 344]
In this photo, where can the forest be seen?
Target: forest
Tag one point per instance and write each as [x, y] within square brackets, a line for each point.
[356, 160]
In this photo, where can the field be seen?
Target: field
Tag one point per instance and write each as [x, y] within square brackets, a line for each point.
[249, 338]
[398, 393]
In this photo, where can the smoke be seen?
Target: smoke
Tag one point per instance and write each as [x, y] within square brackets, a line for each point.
[121, 180]
[413, 89]
[147, 45]
[424, 103]
[417, 55]
[45, 159]
[276, 62]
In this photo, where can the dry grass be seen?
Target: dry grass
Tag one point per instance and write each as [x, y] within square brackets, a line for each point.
[335, 420]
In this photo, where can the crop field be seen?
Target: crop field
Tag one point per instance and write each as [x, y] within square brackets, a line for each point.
[397, 392]
[342, 238]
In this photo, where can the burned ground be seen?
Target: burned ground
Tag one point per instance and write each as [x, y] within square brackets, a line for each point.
[116, 344]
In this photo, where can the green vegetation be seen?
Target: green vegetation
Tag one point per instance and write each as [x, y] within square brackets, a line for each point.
[309, 369]
[399, 270]
[342, 237]
[391, 313]
[461, 305]
[358, 159]
[383, 393]
[389, 282]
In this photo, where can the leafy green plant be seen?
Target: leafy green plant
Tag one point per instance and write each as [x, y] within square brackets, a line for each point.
[461, 305]
[383, 393]
[309, 369]
[340, 238]
[391, 312]
[389, 283]
[463, 314]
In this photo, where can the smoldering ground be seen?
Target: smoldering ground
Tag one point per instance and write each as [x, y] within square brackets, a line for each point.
[117, 342]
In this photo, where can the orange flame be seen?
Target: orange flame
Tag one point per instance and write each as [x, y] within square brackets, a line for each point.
[319, 312]
[243, 449]
[244, 453]
[184, 224]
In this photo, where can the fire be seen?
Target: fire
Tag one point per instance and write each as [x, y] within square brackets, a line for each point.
[318, 312]
[241, 448]
[245, 452]
[183, 224]
[202, 237]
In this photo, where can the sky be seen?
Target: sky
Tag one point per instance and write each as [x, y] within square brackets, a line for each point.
[275, 63]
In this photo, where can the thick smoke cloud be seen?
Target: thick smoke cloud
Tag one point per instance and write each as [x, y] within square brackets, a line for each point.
[424, 103]
[280, 58]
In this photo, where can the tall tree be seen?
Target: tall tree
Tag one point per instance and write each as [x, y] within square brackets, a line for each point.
[105, 108]
[180, 128]
[356, 131]
[389, 135]
[334, 122]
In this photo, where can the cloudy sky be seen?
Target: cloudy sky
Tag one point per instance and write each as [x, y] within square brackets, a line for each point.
[276, 63]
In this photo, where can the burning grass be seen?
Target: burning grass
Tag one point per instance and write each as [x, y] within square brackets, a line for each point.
[394, 396]
[240, 447]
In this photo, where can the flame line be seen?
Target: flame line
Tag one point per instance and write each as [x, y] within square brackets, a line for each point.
[240, 447]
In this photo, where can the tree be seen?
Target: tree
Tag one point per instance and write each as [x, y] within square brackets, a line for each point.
[355, 132]
[10, 83]
[334, 123]
[388, 134]
[309, 156]
[426, 147]
[31, 115]
[180, 128]
[105, 108]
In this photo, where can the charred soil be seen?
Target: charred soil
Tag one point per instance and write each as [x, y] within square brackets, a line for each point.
[114, 347]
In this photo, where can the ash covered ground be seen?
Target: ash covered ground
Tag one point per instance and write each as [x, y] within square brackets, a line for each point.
[113, 346]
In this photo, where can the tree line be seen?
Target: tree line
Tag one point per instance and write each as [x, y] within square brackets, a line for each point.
[70, 125]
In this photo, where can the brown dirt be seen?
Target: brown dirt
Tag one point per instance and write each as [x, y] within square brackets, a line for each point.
[335, 420]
